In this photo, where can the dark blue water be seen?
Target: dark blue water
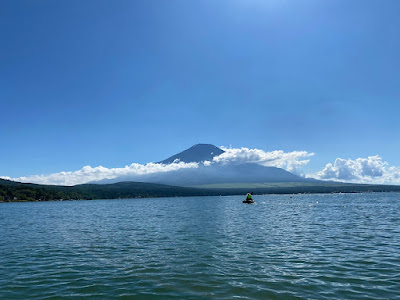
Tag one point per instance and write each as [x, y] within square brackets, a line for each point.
[343, 246]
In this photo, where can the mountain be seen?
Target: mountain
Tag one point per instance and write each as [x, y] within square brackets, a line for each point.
[214, 173]
[197, 153]
[212, 180]
[217, 173]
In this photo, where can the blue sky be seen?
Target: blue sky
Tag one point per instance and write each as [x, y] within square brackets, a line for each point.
[115, 82]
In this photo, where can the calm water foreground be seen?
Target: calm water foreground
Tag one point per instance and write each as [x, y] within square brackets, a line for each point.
[343, 246]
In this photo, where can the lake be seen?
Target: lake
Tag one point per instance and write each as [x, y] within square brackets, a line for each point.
[325, 246]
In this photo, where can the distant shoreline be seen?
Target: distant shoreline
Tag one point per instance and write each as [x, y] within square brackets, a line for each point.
[222, 195]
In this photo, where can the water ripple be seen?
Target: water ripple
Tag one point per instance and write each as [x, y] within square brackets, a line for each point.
[305, 247]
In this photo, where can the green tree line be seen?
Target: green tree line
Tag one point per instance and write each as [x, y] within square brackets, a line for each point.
[13, 191]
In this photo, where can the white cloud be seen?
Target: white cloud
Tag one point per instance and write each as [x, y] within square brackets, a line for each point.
[89, 174]
[361, 170]
[290, 161]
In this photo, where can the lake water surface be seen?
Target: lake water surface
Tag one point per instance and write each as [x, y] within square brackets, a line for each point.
[334, 246]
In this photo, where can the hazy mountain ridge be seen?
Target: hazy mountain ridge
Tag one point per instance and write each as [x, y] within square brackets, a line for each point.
[248, 173]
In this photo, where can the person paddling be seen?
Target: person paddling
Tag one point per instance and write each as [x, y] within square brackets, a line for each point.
[249, 196]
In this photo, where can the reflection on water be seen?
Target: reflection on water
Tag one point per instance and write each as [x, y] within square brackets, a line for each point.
[309, 246]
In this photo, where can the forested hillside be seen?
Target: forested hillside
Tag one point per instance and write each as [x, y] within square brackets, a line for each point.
[13, 191]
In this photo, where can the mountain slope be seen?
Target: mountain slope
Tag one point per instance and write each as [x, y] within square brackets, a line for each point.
[215, 173]
[243, 173]
[197, 153]
[211, 174]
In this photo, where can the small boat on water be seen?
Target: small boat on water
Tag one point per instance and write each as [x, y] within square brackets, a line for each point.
[248, 201]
